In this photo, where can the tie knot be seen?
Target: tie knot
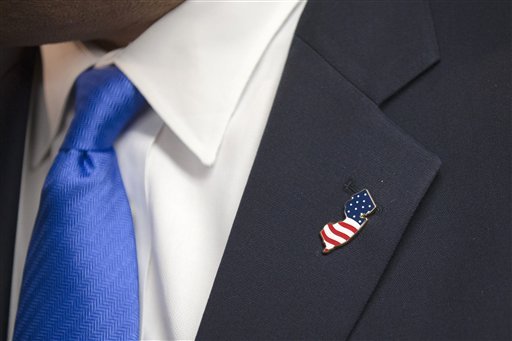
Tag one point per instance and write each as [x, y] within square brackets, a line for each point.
[105, 103]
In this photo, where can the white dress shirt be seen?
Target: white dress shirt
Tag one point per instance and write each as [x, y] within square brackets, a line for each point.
[209, 71]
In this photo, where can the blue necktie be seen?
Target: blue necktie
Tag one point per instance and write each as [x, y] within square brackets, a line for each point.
[80, 280]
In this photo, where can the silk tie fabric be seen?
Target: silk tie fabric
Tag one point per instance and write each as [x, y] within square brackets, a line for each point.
[80, 280]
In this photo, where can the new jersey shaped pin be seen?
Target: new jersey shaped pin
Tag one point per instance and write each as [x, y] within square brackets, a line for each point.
[356, 211]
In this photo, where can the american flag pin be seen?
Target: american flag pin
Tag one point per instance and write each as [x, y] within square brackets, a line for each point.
[356, 211]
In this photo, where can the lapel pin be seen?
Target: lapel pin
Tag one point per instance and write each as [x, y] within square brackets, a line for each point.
[357, 209]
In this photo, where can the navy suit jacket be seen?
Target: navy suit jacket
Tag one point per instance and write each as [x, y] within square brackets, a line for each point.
[410, 100]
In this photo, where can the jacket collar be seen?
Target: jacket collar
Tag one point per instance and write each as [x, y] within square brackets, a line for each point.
[202, 56]
[326, 130]
[378, 47]
[16, 75]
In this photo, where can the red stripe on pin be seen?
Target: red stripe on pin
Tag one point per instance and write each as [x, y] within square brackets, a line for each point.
[348, 227]
[329, 240]
[338, 233]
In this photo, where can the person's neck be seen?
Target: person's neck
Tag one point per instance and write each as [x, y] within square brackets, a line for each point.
[122, 39]
[125, 36]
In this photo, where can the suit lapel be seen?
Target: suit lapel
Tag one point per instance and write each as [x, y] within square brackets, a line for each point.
[16, 67]
[324, 129]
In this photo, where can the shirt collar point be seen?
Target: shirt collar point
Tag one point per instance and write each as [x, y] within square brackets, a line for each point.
[206, 154]
[39, 155]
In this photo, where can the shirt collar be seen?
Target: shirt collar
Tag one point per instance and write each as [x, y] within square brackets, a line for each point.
[192, 66]
[61, 65]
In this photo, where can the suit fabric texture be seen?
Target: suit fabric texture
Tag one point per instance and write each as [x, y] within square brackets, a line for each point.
[409, 100]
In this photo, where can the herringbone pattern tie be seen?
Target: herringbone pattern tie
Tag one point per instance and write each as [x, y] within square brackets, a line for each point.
[80, 279]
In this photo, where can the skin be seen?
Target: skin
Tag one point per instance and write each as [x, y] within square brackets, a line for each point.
[108, 23]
